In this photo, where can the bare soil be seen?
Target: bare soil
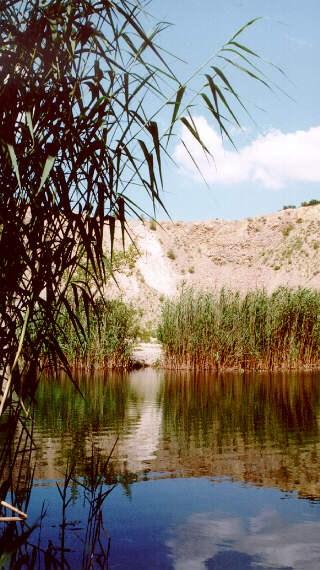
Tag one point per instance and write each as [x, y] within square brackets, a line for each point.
[264, 252]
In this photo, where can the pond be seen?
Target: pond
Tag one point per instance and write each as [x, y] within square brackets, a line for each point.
[204, 471]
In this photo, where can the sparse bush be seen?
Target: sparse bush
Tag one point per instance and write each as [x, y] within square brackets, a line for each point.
[297, 244]
[312, 202]
[289, 207]
[153, 225]
[191, 269]
[171, 255]
[286, 230]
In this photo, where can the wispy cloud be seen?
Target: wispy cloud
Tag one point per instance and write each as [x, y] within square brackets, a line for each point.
[273, 160]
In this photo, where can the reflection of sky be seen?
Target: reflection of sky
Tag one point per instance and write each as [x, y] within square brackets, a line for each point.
[198, 524]
[268, 541]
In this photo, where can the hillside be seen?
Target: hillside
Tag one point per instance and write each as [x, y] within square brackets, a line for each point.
[268, 251]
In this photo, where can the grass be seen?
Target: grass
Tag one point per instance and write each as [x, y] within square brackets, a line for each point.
[110, 331]
[256, 331]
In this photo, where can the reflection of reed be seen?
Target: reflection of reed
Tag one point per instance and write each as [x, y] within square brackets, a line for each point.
[67, 422]
[103, 398]
[259, 406]
[25, 546]
[16, 469]
[259, 428]
[16, 476]
[114, 405]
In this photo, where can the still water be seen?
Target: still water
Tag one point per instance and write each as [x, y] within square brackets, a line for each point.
[211, 472]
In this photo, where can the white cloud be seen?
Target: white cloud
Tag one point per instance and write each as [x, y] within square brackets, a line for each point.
[273, 160]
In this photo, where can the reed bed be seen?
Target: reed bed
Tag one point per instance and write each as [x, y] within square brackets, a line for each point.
[260, 331]
[105, 338]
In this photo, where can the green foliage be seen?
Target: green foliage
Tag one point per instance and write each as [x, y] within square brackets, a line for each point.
[312, 202]
[257, 330]
[108, 332]
[122, 260]
[289, 207]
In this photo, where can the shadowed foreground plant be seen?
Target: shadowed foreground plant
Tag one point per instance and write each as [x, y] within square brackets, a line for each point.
[81, 83]
[86, 542]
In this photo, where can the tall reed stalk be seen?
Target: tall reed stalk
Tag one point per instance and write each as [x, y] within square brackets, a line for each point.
[253, 331]
[109, 333]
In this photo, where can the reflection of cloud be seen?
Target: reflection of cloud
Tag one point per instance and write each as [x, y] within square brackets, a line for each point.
[270, 540]
[293, 546]
[198, 540]
[273, 160]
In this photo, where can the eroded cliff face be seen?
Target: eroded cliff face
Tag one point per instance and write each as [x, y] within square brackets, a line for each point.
[268, 251]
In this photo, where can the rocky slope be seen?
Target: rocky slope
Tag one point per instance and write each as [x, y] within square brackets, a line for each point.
[278, 249]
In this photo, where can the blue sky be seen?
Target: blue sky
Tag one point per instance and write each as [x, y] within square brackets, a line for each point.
[278, 159]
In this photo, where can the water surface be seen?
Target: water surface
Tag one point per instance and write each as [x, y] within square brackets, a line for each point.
[213, 471]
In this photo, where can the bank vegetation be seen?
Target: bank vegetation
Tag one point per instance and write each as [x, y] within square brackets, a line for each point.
[260, 331]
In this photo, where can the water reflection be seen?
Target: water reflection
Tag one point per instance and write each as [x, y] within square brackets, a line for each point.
[206, 541]
[210, 469]
[262, 429]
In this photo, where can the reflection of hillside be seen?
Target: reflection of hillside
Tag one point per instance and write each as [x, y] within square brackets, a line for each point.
[263, 429]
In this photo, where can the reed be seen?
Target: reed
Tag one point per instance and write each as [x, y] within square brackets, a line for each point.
[252, 331]
[104, 337]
